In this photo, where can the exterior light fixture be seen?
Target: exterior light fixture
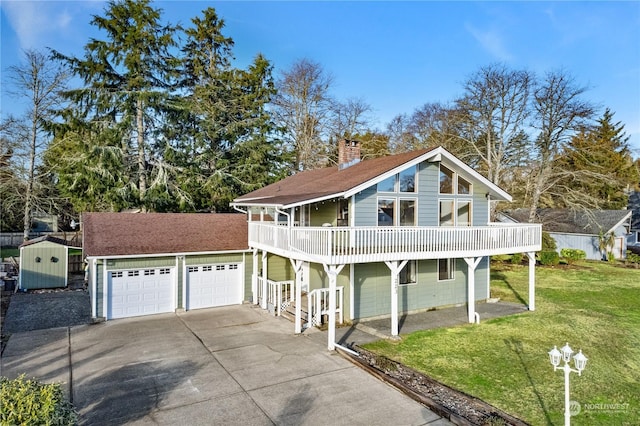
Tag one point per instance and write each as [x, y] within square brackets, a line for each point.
[580, 362]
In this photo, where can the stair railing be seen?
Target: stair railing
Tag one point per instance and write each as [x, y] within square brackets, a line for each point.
[318, 305]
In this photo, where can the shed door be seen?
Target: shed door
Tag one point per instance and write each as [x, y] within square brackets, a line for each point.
[214, 285]
[140, 292]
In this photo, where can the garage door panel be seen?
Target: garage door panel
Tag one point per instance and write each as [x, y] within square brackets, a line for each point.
[213, 285]
[140, 292]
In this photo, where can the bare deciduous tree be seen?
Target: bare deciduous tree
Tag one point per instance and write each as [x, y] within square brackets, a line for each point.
[38, 81]
[303, 110]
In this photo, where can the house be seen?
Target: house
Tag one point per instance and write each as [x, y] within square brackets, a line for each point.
[44, 263]
[365, 239]
[580, 229]
[380, 237]
[141, 264]
[634, 206]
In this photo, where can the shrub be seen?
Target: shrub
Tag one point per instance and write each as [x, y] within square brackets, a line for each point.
[573, 255]
[548, 242]
[28, 402]
[516, 258]
[549, 258]
[633, 258]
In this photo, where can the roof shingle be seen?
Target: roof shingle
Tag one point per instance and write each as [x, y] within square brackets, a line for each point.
[118, 234]
[572, 222]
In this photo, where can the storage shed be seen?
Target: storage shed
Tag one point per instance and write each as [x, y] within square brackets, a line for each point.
[44, 263]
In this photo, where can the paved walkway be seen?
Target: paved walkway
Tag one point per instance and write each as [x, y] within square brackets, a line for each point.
[372, 330]
[235, 365]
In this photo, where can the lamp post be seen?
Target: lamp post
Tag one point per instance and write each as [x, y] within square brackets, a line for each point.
[580, 362]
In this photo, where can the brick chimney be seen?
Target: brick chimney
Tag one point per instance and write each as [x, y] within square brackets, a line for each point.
[348, 153]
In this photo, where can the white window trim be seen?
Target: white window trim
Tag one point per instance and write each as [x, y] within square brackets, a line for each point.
[452, 269]
[470, 203]
[454, 183]
[453, 213]
[396, 208]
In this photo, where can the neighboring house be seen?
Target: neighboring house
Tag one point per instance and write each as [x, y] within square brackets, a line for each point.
[634, 207]
[367, 239]
[380, 237]
[44, 263]
[141, 264]
[579, 229]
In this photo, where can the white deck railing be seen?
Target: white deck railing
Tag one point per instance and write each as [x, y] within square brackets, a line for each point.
[318, 305]
[279, 295]
[341, 245]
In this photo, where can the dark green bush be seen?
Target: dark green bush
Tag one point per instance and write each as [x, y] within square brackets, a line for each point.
[573, 255]
[548, 242]
[549, 258]
[28, 402]
[633, 258]
[516, 258]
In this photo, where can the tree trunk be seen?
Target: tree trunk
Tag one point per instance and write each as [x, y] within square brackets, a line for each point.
[142, 163]
[28, 202]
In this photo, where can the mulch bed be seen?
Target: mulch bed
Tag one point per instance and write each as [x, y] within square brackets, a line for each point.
[451, 404]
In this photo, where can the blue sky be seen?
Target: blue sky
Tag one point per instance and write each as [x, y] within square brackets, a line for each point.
[396, 56]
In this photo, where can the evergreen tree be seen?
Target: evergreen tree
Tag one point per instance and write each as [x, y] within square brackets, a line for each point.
[601, 162]
[127, 79]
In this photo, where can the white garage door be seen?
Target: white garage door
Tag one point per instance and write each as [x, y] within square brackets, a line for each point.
[140, 292]
[214, 285]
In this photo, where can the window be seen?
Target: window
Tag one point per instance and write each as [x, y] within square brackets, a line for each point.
[446, 269]
[220, 267]
[407, 212]
[343, 212]
[387, 185]
[207, 268]
[408, 274]
[165, 271]
[232, 267]
[192, 269]
[148, 272]
[464, 187]
[446, 180]
[116, 274]
[386, 211]
[133, 273]
[446, 213]
[464, 213]
[638, 237]
[407, 179]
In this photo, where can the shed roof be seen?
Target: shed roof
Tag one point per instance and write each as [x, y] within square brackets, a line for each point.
[120, 234]
[50, 239]
[319, 184]
[573, 221]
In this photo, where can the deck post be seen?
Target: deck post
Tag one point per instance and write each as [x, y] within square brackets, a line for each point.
[332, 271]
[532, 280]
[263, 302]
[395, 267]
[254, 278]
[472, 264]
[297, 267]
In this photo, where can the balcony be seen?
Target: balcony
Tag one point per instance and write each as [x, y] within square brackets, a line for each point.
[343, 245]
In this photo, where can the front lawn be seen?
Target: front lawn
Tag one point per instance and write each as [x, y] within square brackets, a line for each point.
[593, 306]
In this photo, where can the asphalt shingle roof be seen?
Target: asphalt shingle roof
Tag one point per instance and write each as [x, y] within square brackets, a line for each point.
[117, 234]
[318, 183]
[570, 221]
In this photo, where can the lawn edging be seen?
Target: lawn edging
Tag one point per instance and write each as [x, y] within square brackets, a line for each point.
[430, 392]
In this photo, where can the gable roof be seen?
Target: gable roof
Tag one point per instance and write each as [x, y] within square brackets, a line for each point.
[573, 222]
[330, 182]
[50, 239]
[120, 234]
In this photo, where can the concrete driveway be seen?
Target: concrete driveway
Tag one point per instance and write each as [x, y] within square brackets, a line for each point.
[233, 365]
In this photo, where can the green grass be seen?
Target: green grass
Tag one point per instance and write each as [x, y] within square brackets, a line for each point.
[594, 306]
[9, 251]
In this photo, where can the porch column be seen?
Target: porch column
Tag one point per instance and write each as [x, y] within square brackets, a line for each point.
[395, 267]
[297, 267]
[263, 302]
[472, 264]
[532, 280]
[332, 271]
[254, 278]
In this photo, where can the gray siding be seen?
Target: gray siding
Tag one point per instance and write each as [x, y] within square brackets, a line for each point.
[366, 209]
[588, 243]
[372, 288]
[428, 185]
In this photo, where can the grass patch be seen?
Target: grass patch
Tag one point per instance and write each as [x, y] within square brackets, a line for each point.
[9, 251]
[594, 306]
